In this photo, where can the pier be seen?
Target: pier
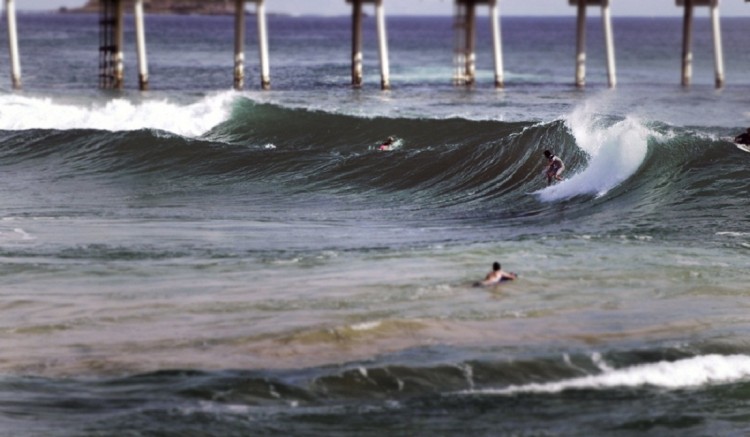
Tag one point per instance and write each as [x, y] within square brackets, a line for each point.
[112, 62]
[687, 39]
[239, 44]
[357, 56]
[582, 5]
[15, 62]
[464, 25]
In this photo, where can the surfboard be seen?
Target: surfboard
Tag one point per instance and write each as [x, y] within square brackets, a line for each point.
[743, 147]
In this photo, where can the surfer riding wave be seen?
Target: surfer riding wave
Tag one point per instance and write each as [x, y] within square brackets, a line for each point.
[555, 167]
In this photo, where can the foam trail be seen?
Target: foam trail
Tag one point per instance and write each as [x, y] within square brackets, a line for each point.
[615, 153]
[690, 372]
[21, 113]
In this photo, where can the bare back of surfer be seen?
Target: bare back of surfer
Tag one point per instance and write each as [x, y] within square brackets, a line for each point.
[555, 167]
[497, 275]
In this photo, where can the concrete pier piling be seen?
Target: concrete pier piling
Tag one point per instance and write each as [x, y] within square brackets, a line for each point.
[718, 50]
[119, 57]
[111, 26]
[356, 43]
[580, 78]
[111, 43]
[15, 62]
[385, 81]
[112, 35]
[497, 42]
[357, 20]
[470, 56]
[357, 57]
[687, 40]
[239, 44]
[464, 23]
[609, 42]
[581, 44]
[459, 53]
[265, 74]
[140, 36]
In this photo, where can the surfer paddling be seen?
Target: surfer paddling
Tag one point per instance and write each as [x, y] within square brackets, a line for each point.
[387, 144]
[555, 167]
[743, 138]
[496, 276]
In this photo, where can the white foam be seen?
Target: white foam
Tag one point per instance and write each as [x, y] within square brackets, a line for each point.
[615, 153]
[17, 234]
[214, 407]
[366, 326]
[19, 112]
[24, 235]
[690, 372]
[733, 234]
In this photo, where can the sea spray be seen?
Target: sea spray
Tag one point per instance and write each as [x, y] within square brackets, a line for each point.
[615, 153]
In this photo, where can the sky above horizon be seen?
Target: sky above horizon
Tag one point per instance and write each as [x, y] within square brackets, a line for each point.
[728, 8]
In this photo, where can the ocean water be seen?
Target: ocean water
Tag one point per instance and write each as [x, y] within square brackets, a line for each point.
[196, 261]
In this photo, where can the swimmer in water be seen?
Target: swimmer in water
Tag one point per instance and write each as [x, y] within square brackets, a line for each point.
[497, 275]
[387, 144]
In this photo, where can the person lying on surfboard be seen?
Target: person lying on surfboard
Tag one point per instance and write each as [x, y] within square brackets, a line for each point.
[496, 276]
[743, 138]
[387, 144]
[555, 167]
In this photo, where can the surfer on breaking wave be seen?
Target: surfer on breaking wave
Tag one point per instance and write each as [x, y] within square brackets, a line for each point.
[496, 276]
[555, 167]
[743, 138]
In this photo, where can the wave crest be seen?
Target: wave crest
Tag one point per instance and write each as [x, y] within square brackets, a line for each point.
[614, 152]
[24, 113]
[690, 372]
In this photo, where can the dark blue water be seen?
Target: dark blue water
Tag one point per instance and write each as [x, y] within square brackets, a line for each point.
[199, 261]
